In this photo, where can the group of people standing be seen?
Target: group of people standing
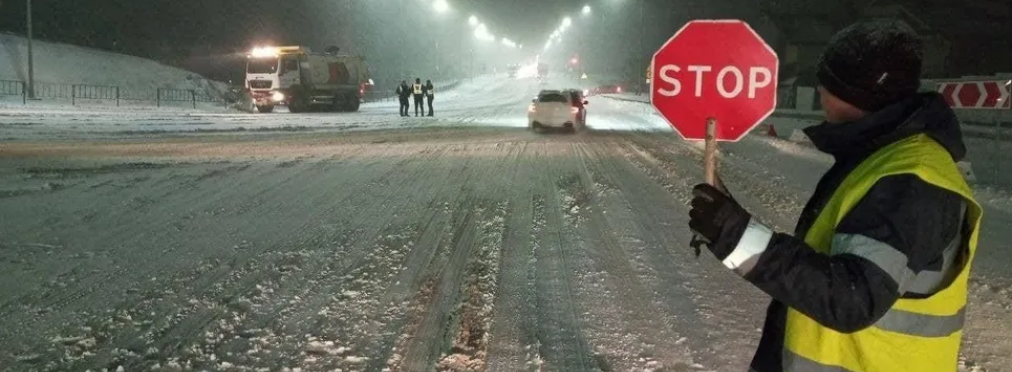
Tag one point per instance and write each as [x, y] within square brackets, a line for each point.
[420, 92]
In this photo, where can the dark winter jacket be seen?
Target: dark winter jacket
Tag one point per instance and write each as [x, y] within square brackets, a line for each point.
[404, 91]
[428, 90]
[845, 292]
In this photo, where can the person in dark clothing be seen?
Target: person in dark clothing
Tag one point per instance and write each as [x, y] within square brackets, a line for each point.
[430, 92]
[403, 94]
[417, 91]
[874, 276]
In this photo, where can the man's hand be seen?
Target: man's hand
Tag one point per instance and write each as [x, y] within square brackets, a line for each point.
[717, 219]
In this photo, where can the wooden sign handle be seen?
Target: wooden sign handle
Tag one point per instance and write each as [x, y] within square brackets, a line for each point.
[710, 173]
[710, 156]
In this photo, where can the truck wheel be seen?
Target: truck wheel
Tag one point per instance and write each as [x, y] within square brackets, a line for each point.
[296, 101]
[339, 104]
[265, 109]
[353, 103]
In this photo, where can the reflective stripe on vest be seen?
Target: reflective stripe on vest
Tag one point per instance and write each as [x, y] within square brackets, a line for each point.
[923, 325]
[794, 362]
[916, 334]
[417, 88]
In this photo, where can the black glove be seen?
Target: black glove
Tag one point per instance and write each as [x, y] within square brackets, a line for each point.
[717, 219]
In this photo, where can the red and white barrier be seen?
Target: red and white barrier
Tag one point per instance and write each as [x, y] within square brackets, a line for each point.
[977, 95]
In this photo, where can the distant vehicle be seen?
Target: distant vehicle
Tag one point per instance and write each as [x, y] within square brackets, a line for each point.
[542, 70]
[578, 99]
[305, 80]
[555, 109]
[607, 89]
[580, 93]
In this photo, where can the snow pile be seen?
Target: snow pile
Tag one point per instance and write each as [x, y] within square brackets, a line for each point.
[799, 136]
[967, 169]
[643, 98]
[68, 64]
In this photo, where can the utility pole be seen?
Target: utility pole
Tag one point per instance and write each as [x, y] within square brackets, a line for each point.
[31, 62]
[642, 42]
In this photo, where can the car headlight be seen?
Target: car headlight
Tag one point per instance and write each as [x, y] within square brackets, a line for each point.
[278, 97]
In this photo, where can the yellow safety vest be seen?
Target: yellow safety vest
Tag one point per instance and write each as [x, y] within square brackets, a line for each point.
[417, 88]
[920, 335]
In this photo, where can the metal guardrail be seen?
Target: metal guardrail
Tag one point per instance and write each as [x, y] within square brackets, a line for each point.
[12, 88]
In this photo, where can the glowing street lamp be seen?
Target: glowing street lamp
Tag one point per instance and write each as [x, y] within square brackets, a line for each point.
[473, 21]
[441, 6]
[481, 33]
[566, 22]
[586, 9]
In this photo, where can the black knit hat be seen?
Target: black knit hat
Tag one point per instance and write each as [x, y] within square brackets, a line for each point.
[872, 63]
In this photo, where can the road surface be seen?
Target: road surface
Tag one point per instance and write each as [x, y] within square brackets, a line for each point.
[167, 241]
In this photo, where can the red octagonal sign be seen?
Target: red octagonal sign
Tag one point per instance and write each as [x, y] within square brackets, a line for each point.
[719, 69]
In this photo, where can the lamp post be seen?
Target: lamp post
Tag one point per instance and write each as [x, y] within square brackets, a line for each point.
[642, 36]
[31, 57]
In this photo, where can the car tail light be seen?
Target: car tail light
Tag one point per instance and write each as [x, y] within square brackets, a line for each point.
[532, 109]
[574, 110]
[619, 89]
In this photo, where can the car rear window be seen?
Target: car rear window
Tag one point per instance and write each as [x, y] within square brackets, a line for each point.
[552, 97]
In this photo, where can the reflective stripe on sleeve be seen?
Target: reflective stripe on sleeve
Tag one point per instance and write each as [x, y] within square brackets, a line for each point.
[929, 282]
[883, 255]
[751, 245]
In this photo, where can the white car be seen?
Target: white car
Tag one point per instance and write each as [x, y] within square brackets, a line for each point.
[555, 109]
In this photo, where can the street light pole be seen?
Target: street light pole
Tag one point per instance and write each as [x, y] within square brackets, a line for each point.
[31, 62]
[642, 42]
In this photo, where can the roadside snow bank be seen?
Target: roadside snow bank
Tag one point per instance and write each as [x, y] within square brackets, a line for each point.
[68, 64]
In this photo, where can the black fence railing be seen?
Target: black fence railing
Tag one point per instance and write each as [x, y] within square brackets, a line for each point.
[11, 88]
[53, 91]
[94, 92]
[107, 94]
[79, 94]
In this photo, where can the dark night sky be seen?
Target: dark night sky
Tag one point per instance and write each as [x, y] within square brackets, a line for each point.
[149, 26]
[153, 27]
[210, 36]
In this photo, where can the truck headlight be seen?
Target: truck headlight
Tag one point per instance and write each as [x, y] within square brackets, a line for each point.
[278, 96]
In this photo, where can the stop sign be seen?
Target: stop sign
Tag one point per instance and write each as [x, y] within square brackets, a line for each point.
[719, 69]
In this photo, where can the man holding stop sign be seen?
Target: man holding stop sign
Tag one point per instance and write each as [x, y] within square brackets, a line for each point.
[874, 277]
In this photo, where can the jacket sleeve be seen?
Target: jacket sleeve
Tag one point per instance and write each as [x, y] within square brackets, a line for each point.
[901, 227]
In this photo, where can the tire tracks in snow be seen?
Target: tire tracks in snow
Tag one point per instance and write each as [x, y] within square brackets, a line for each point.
[647, 336]
[562, 343]
[730, 321]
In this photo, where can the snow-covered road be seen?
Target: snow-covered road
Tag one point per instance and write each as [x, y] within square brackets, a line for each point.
[370, 242]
